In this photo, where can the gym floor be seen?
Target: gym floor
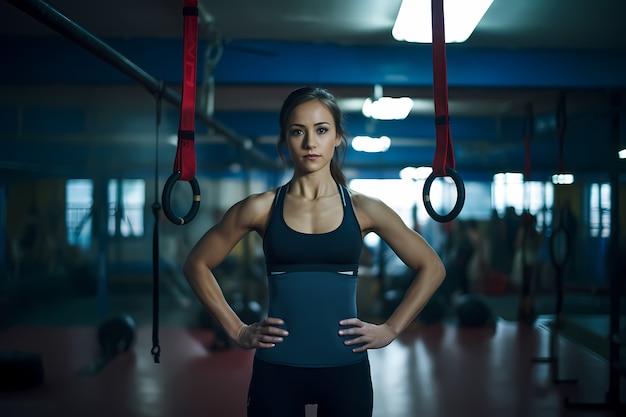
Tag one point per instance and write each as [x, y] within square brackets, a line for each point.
[439, 370]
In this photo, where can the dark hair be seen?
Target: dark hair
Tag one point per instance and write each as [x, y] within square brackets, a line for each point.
[302, 95]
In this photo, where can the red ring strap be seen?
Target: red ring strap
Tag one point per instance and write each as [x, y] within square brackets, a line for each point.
[444, 151]
[529, 131]
[185, 161]
[561, 125]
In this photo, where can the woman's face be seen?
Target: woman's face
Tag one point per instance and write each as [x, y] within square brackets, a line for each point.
[311, 136]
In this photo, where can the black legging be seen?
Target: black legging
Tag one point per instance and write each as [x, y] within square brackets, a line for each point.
[283, 391]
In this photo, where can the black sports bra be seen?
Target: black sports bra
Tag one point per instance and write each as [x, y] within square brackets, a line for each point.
[283, 245]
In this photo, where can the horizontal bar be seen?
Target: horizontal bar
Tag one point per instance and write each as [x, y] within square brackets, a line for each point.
[68, 28]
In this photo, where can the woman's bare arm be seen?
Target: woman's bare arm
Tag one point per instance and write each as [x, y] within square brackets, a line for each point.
[244, 217]
[411, 248]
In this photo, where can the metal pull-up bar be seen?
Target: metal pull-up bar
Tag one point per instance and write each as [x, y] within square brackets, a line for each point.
[68, 28]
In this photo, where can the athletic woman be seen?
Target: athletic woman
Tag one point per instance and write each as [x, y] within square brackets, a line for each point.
[312, 347]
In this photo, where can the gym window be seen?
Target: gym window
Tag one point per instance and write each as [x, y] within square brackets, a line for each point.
[398, 194]
[510, 190]
[78, 214]
[405, 197]
[126, 200]
[600, 210]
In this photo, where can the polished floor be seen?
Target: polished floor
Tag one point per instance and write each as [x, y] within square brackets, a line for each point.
[440, 370]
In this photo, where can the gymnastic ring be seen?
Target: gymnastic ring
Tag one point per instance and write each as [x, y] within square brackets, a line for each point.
[560, 264]
[460, 196]
[167, 195]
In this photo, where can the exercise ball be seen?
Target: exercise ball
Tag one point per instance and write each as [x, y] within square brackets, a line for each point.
[116, 335]
[472, 311]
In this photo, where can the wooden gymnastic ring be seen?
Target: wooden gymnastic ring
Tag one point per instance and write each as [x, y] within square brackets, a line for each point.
[560, 263]
[460, 197]
[167, 195]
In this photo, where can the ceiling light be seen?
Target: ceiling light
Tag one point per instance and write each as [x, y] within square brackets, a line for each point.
[622, 154]
[414, 21]
[415, 173]
[387, 108]
[508, 178]
[563, 179]
[371, 145]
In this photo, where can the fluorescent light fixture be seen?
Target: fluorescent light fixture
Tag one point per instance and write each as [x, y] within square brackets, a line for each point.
[622, 154]
[387, 108]
[371, 145]
[563, 179]
[508, 178]
[414, 21]
[415, 173]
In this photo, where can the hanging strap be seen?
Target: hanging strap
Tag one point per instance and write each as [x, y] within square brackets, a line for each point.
[561, 229]
[528, 129]
[526, 305]
[185, 162]
[561, 125]
[444, 152]
[156, 211]
[443, 161]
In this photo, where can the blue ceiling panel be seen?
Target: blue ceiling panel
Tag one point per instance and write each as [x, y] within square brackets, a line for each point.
[59, 60]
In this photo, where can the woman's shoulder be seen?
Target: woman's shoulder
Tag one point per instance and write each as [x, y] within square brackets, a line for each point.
[364, 202]
[258, 202]
[371, 212]
[252, 211]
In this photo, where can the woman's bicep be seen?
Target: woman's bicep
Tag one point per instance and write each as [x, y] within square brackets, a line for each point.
[215, 245]
[212, 248]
